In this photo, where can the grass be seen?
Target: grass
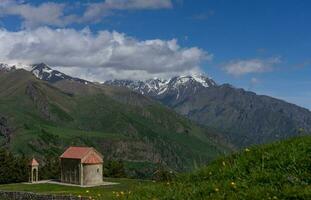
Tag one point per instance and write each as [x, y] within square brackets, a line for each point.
[100, 192]
[281, 170]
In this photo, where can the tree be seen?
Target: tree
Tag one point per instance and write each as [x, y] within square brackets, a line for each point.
[12, 169]
[114, 169]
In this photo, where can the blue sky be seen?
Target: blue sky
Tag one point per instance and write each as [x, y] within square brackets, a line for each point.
[259, 45]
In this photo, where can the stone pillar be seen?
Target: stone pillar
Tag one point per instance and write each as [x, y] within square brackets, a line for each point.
[81, 174]
[37, 176]
[61, 171]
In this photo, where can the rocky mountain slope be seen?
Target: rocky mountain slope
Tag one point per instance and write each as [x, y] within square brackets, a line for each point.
[40, 117]
[42, 72]
[177, 87]
[245, 117]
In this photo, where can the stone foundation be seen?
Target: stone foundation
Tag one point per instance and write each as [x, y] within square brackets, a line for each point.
[33, 196]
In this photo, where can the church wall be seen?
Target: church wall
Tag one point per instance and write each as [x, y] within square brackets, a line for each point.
[92, 174]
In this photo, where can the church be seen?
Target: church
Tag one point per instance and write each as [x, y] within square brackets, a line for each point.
[81, 166]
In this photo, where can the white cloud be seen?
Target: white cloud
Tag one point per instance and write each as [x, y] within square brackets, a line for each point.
[242, 67]
[102, 55]
[53, 14]
[47, 13]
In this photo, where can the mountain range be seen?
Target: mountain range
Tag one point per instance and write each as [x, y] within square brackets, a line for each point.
[43, 111]
[238, 117]
[243, 117]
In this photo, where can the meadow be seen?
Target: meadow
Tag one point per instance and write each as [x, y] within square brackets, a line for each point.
[100, 192]
[281, 170]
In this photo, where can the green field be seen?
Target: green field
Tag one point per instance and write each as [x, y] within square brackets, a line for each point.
[281, 170]
[100, 192]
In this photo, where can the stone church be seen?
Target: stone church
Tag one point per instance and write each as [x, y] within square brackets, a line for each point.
[81, 166]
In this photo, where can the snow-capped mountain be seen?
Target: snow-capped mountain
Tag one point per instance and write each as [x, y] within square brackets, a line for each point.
[43, 72]
[6, 67]
[176, 87]
[244, 117]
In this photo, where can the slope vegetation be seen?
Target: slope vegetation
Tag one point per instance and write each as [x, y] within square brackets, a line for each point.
[38, 117]
[276, 171]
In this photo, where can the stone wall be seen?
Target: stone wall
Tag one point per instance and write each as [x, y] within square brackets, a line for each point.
[92, 174]
[33, 196]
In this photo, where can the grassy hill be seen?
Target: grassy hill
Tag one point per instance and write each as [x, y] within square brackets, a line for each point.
[38, 118]
[281, 170]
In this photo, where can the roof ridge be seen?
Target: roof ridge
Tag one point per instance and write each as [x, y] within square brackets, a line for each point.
[81, 153]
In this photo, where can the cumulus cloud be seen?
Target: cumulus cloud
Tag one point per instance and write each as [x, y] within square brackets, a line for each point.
[47, 13]
[101, 55]
[242, 67]
[53, 14]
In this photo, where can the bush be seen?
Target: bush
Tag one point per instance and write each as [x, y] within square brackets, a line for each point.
[163, 174]
[114, 169]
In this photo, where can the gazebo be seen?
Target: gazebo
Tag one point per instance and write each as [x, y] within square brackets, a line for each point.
[34, 167]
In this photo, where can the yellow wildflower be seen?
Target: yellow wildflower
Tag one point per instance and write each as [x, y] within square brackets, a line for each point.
[87, 191]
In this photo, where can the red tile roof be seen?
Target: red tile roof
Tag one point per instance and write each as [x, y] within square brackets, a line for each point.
[76, 152]
[33, 162]
[92, 159]
[87, 155]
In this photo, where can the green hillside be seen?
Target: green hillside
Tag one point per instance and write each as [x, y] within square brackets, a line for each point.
[281, 170]
[37, 118]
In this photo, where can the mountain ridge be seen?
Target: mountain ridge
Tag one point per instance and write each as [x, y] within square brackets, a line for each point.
[244, 117]
[156, 86]
[43, 72]
[39, 118]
